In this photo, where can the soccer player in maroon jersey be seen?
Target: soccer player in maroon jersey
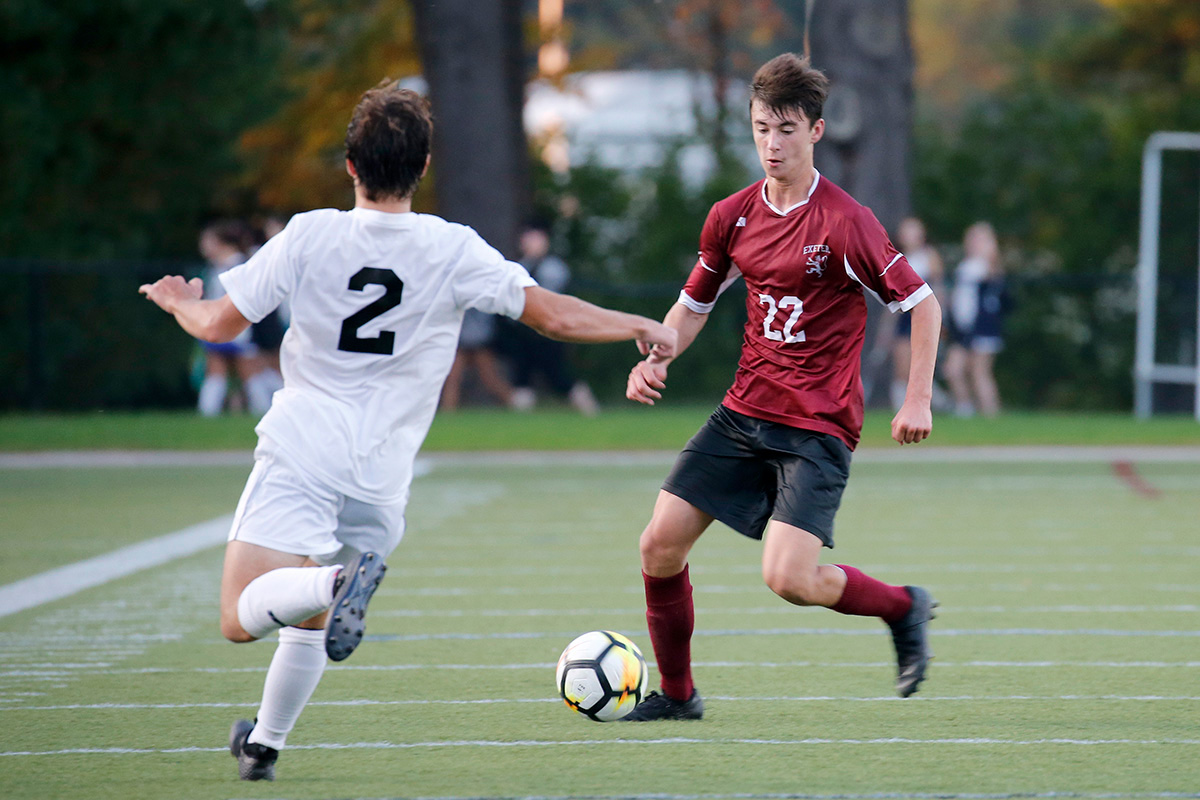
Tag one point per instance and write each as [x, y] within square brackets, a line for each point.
[773, 459]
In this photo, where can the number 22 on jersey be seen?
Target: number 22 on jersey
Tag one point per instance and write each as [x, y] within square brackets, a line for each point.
[788, 335]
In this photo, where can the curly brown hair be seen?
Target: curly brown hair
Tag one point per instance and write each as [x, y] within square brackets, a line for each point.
[388, 141]
[789, 82]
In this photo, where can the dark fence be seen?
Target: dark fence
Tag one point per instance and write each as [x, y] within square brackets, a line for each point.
[76, 336]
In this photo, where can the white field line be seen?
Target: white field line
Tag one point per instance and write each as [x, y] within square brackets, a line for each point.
[539, 666]
[555, 700]
[606, 459]
[1068, 795]
[751, 569]
[755, 588]
[487, 743]
[938, 632]
[770, 610]
[64, 581]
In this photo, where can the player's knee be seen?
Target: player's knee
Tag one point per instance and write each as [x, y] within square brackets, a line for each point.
[232, 630]
[798, 588]
[659, 555]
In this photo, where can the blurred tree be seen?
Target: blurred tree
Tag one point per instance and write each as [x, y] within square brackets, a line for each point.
[862, 45]
[475, 62]
[337, 49]
[118, 119]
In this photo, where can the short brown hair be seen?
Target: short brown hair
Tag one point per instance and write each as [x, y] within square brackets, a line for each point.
[388, 141]
[790, 83]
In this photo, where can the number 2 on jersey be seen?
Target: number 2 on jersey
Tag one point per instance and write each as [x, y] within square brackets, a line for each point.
[786, 336]
[385, 342]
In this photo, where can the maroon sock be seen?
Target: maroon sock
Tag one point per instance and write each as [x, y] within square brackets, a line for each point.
[866, 597]
[671, 618]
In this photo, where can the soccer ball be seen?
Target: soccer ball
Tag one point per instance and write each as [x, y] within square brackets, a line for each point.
[602, 675]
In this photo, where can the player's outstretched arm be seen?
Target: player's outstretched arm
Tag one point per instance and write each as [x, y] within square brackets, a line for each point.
[569, 319]
[914, 421]
[210, 320]
[648, 377]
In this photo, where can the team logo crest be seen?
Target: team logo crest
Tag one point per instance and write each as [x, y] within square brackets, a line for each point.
[816, 256]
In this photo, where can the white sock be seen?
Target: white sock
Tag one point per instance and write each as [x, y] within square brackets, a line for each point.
[294, 673]
[260, 390]
[285, 596]
[212, 395]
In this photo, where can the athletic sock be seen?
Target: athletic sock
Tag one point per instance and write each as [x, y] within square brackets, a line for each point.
[212, 395]
[285, 596]
[866, 597]
[671, 618]
[294, 673]
[260, 389]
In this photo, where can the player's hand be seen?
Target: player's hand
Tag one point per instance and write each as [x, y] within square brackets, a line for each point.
[168, 291]
[660, 342]
[645, 380]
[912, 423]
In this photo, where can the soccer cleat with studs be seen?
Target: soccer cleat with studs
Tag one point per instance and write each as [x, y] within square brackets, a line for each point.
[256, 762]
[910, 635]
[658, 706]
[351, 592]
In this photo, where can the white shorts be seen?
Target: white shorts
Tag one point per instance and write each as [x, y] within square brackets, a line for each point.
[286, 509]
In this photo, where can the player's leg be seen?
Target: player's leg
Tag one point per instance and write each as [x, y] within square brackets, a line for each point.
[956, 376]
[211, 398]
[811, 473]
[452, 388]
[269, 583]
[263, 590]
[983, 378]
[670, 615]
[367, 534]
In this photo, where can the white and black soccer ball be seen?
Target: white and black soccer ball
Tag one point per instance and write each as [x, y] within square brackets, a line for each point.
[602, 675]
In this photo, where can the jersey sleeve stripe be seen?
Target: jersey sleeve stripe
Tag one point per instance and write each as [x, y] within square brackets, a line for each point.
[890, 263]
[893, 307]
[692, 304]
[910, 302]
[695, 305]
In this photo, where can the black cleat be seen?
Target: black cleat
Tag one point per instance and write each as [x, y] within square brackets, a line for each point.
[910, 636]
[352, 591]
[661, 706]
[256, 762]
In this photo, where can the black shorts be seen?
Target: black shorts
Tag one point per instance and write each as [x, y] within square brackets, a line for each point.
[744, 471]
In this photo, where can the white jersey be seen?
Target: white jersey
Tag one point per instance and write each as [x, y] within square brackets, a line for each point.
[377, 301]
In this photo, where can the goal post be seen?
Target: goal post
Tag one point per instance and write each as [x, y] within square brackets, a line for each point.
[1147, 370]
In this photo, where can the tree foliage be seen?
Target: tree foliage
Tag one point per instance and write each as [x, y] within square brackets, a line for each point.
[336, 50]
[118, 119]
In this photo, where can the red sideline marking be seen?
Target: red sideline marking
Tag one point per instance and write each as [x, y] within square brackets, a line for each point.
[1130, 477]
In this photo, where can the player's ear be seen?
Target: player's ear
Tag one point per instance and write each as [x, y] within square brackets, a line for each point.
[425, 168]
[817, 130]
[350, 170]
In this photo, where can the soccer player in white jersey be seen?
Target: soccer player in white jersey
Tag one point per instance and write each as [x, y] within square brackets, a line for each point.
[377, 298]
[773, 459]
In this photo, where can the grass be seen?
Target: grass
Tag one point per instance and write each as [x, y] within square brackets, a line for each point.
[1066, 646]
[626, 427]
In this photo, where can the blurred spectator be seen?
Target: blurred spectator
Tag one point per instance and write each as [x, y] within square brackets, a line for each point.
[223, 245]
[978, 305]
[475, 350]
[534, 355]
[926, 262]
[267, 334]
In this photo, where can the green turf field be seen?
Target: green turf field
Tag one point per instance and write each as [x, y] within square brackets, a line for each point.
[621, 426]
[1068, 654]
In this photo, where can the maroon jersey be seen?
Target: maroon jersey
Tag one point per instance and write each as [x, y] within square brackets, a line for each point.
[805, 270]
